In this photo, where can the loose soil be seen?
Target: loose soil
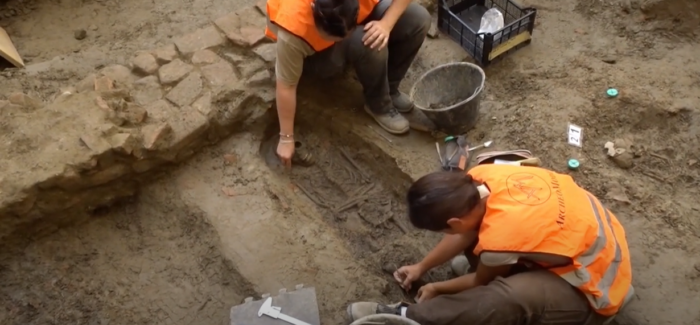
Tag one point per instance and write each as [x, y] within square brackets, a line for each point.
[224, 226]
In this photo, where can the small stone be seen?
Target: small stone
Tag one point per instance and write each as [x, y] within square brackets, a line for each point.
[145, 63]
[173, 72]
[147, 90]
[103, 84]
[87, 84]
[617, 192]
[624, 160]
[123, 142]
[102, 104]
[134, 114]
[610, 60]
[219, 73]
[203, 105]
[199, 40]
[156, 136]
[267, 52]
[24, 100]
[261, 78]
[80, 34]
[205, 57]
[93, 27]
[165, 54]
[4, 103]
[230, 158]
[186, 91]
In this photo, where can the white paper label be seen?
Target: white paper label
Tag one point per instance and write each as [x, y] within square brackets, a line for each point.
[575, 135]
[505, 162]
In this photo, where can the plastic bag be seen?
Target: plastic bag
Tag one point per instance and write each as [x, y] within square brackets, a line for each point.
[491, 22]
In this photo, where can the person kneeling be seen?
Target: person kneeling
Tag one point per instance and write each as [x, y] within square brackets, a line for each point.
[538, 249]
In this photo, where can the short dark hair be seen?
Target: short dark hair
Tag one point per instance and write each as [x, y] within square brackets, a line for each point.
[336, 17]
[438, 197]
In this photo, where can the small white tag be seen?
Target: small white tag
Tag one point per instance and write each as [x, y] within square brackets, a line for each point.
[575, 135]
[505, 162]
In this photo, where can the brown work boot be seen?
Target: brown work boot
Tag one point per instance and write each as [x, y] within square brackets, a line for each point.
[402, 103]
[392, 122]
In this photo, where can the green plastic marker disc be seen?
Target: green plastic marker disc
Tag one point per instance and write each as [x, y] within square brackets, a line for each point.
[612, 92]
[573, 164]
[449, 138]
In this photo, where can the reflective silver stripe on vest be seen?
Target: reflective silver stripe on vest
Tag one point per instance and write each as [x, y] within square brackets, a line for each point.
[581, 276]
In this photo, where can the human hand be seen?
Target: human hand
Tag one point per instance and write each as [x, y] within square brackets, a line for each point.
[406, 275]
[376, 35]
[285, 151]
[426, 293]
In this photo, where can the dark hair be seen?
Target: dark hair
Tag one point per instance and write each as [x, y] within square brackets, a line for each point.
[437, 197]
[336, 17]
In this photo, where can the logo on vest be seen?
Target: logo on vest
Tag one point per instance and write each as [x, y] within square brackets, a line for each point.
[528, 189]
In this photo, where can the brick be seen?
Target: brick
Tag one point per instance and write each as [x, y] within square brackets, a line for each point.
[160, 111]
[147, 90]
[156, 136]
[103, 84]
[261, 78]
[87, 84]
[203, 105]
[121, 76]
[242, 28]
[186, 91]
[252, 35]
[205, 57]
[187, 127]
[173, 72]
[230, 24]
[199, 40]
[24, 100]
[165, 54]
[145, 63]
[267, 52]
[218, 74]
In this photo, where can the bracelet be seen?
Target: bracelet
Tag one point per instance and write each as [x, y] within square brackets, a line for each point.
[286, 141]
[286, 135]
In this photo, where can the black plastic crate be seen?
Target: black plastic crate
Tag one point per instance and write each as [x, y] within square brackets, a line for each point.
[460, 20]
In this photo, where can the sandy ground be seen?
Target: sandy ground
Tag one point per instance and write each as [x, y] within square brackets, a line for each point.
[217, 230]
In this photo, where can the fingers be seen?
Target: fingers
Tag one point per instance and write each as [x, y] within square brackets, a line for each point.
[419, 296]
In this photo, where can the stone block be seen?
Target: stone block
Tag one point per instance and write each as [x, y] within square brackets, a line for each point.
[205, 57]
[165, 54]
[199, 40]
[145, 63]
[188, 126]
[24, 100]
[95, 143]
[119, 74]
[160, 111]
[156, 136]
[186, 91]
[267, 52]
[242, 28]
[219, 73]
[86, 84]
[103, 83]
[262, 78]
[262, 7]
[147, 90]
[203, 105]
[173, 72]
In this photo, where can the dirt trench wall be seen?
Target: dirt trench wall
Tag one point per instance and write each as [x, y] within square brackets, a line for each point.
[100, 138]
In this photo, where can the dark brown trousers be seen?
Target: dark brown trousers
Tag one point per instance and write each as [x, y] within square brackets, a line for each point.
[527, 297]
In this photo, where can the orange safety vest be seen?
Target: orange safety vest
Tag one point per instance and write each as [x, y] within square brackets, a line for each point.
[296, 17]
[534, 210]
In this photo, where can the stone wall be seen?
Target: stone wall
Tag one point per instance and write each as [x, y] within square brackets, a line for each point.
[117, 126]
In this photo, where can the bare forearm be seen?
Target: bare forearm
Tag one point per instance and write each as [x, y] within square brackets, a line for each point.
[394, 12]
[286, 107]
[446, 249]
